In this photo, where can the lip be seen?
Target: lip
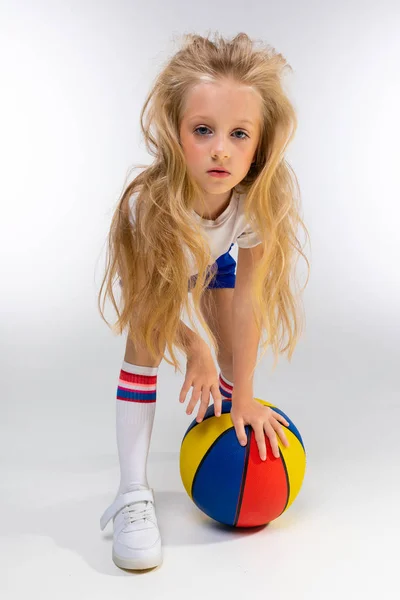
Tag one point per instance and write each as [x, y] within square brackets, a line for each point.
[219, 171]
[219, 174]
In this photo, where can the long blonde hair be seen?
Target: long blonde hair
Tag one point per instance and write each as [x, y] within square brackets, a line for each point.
[153, 242]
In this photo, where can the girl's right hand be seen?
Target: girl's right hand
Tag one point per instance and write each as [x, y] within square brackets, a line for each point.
[202, 374]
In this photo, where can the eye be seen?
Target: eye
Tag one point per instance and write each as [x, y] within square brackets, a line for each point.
[237, 131]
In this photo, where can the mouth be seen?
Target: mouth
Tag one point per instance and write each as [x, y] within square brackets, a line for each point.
[218, 171]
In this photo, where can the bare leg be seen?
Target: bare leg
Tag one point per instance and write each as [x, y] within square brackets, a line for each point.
[139, 355]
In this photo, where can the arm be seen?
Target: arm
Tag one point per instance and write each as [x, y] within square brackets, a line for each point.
[186, 336]
[245, 409]
[245, 335]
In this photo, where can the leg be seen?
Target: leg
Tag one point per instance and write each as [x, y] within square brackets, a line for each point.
[139, 355]
[135, 406]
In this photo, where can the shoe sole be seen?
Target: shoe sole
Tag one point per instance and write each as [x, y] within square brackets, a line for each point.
[140, 562]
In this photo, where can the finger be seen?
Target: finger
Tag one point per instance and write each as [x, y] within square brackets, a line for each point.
[280, 418]
[184, 391]
[217, 399]
[279, 429]
[193, 400]
[260, 439]
[272, 438]
[241, 432]
[205, 400]
[281, 434]
[202, 410]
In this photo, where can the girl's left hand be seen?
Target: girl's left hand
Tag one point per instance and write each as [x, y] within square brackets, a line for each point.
[263, 419]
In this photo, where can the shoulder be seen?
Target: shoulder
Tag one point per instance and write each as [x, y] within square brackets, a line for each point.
[246, 235]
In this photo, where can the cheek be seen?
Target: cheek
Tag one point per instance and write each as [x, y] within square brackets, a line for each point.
[193, 152]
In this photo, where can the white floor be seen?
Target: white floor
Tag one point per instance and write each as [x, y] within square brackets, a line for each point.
[340, 538]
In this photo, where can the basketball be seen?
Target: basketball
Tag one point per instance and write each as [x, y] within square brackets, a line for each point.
[229, 482]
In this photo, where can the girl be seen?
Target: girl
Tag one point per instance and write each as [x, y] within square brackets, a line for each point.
[217, 105]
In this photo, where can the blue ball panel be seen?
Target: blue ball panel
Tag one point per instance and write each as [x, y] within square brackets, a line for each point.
[221, 469]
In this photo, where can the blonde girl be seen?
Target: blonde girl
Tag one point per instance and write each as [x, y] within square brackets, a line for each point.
[217, 104]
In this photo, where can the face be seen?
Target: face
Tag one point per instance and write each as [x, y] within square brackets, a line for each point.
[220, 127]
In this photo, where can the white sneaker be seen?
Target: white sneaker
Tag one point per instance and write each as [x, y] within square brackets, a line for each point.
[136, 538]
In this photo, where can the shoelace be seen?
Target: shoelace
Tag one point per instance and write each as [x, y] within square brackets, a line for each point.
[134, 513]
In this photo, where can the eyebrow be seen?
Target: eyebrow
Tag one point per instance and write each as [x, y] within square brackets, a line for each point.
[209, 118]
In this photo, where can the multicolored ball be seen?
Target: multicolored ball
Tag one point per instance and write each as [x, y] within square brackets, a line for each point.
[229, 482]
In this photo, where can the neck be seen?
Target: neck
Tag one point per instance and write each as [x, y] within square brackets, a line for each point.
[214, 206]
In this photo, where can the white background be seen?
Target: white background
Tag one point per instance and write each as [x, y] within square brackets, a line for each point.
[74, 76]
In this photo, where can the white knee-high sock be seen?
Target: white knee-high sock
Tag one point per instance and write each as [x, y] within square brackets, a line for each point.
[135, 410]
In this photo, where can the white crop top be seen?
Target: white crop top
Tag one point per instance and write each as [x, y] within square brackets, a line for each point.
[230, 227]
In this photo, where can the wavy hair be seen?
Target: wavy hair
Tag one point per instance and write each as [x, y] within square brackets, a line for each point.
[147, 240]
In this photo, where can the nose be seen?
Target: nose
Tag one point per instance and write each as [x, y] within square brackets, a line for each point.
[220, 153]
[220, 148]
